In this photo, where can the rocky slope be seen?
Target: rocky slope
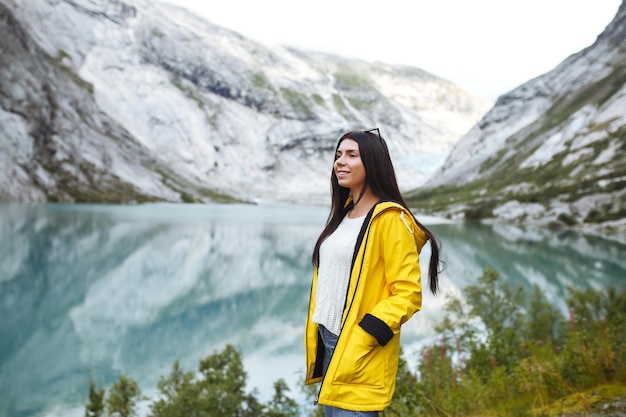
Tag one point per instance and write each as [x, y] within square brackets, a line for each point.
[551, 151]
[134, 100]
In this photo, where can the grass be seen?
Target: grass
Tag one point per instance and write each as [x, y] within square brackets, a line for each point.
[340, 105]
[188, 91]
[184, 189]
[319, 100]
[96, 186]
[300, 103]
[596, 399]
[260, 80]
[351, 81]
[70, 73]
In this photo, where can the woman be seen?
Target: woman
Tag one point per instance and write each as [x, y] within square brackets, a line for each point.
[366, 281]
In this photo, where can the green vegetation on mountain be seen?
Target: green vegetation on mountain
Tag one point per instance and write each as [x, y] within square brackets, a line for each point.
[503, 180]
[299, 102]
[58, 62]
[553, 150]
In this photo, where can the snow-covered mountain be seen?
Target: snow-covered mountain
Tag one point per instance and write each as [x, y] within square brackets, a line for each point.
[553, 150]
[136, 100]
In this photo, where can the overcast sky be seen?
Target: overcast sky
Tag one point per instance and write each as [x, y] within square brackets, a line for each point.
[487, 47]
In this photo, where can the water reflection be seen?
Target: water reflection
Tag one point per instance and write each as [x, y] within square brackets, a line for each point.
[555, 260]
[109, 289]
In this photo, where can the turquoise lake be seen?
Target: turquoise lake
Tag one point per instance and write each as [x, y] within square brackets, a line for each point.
[104, 289]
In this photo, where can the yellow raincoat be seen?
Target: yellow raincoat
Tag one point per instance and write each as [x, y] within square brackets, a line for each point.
[383, 293]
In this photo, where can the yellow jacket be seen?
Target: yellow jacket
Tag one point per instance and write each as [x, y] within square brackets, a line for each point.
[383, 293]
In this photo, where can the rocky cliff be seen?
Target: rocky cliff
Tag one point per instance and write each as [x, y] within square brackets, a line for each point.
[551, 151]
[135, 100]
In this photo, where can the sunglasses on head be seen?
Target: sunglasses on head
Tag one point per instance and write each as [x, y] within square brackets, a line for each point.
[373, 130]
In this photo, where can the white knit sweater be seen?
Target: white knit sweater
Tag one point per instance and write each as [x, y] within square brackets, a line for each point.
[334, 273]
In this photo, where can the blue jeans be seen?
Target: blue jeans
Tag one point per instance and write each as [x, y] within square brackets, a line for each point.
[330, 342]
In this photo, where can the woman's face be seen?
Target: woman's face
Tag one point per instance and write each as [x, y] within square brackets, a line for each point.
[349, 167]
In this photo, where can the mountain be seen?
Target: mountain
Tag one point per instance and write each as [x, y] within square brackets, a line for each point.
[552, 151]
[135, 100]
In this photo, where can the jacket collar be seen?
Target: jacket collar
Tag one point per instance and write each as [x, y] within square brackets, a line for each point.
[407, 217]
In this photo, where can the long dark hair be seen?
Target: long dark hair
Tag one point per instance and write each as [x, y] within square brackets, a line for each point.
[380, 176]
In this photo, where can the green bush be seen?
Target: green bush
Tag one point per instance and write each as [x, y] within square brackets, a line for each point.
[502, 353]
[122, 399]
[95, 406]
[499, 351]
[218, 389]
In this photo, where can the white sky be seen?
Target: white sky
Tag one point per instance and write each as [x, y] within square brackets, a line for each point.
[487, 47]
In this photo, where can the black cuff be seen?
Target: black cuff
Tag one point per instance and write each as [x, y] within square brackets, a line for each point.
[377, 328]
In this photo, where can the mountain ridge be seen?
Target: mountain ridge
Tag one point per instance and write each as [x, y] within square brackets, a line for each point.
[552, 151]
[211, 114]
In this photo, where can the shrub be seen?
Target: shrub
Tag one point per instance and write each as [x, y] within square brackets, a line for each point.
[502, 353]
[218, 389]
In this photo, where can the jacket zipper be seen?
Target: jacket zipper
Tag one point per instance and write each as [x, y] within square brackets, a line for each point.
[365, 230]
[357, 246]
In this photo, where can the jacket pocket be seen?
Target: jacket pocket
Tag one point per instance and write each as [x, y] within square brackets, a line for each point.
[362, 361]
